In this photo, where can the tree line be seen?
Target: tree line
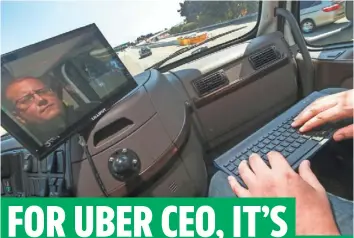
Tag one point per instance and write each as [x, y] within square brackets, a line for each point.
[204, 13]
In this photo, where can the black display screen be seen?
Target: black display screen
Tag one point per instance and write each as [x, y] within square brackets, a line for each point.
[57, 87]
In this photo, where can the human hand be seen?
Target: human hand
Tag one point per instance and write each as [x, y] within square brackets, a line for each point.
[313, 211]
[328, 109]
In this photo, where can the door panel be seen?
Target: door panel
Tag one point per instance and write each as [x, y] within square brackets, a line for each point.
[333, 68]
[333, 73]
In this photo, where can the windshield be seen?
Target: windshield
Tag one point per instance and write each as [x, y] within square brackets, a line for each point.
[141, 32]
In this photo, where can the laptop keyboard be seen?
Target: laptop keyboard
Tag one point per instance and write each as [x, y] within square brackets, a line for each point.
[280, 136]
[283, 138]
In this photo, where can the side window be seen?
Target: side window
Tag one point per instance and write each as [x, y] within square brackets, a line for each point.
[309, 4]
[325, 22]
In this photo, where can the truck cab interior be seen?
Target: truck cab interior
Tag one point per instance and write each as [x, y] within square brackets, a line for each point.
[184, 115]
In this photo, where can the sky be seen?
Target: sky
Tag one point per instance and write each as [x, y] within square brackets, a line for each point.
[27, 22]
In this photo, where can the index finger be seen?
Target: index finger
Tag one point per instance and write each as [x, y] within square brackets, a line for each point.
[310, 111]
[258, 166]
[278, 162]
[329, 115]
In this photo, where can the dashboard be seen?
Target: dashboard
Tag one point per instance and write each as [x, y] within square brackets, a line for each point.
[153, 141]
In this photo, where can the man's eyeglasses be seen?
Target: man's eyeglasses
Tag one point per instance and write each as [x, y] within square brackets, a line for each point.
[28, 99]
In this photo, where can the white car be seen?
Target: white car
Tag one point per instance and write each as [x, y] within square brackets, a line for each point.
[319, 13]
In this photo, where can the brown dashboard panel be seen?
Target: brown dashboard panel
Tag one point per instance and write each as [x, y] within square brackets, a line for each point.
[171, 156]
[239, 83]
[159, 135]
[262, 78]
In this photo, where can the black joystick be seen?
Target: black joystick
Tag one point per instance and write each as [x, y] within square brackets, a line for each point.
[124, 164]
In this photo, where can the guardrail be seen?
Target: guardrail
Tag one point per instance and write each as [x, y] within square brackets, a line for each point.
[241, 20]
[325, 35]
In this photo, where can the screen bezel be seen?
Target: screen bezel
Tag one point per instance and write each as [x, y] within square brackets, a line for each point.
[88, 120]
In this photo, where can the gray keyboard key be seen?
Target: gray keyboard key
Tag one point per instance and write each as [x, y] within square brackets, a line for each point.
[301, 140]
[276, 133]
[285, 144]
[266, 141]
[237, 163]
[285, 154]
[291, 130]
[301, 151]
[276, 128]
[270, 146]
[279, 148]
[286, 134]
[231, 167]
[261, 145]
[243, 157]
[290, 149]
[295, 135]
[296, 145]
[276, 142]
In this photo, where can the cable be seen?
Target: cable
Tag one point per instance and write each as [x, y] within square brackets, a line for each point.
[82, 142]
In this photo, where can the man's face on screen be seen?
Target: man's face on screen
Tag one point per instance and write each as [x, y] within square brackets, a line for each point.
[34, 102]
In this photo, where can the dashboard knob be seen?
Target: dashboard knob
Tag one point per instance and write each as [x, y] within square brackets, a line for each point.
[124, 164]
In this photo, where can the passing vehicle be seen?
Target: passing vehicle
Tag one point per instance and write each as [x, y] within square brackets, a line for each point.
[144, 52]
[314, 14]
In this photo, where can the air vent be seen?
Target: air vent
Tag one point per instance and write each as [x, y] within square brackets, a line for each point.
[264, 57]
[210, 83]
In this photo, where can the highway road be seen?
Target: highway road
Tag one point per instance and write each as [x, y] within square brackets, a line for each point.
[131, 55]
[322, 36]
[331, 33]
